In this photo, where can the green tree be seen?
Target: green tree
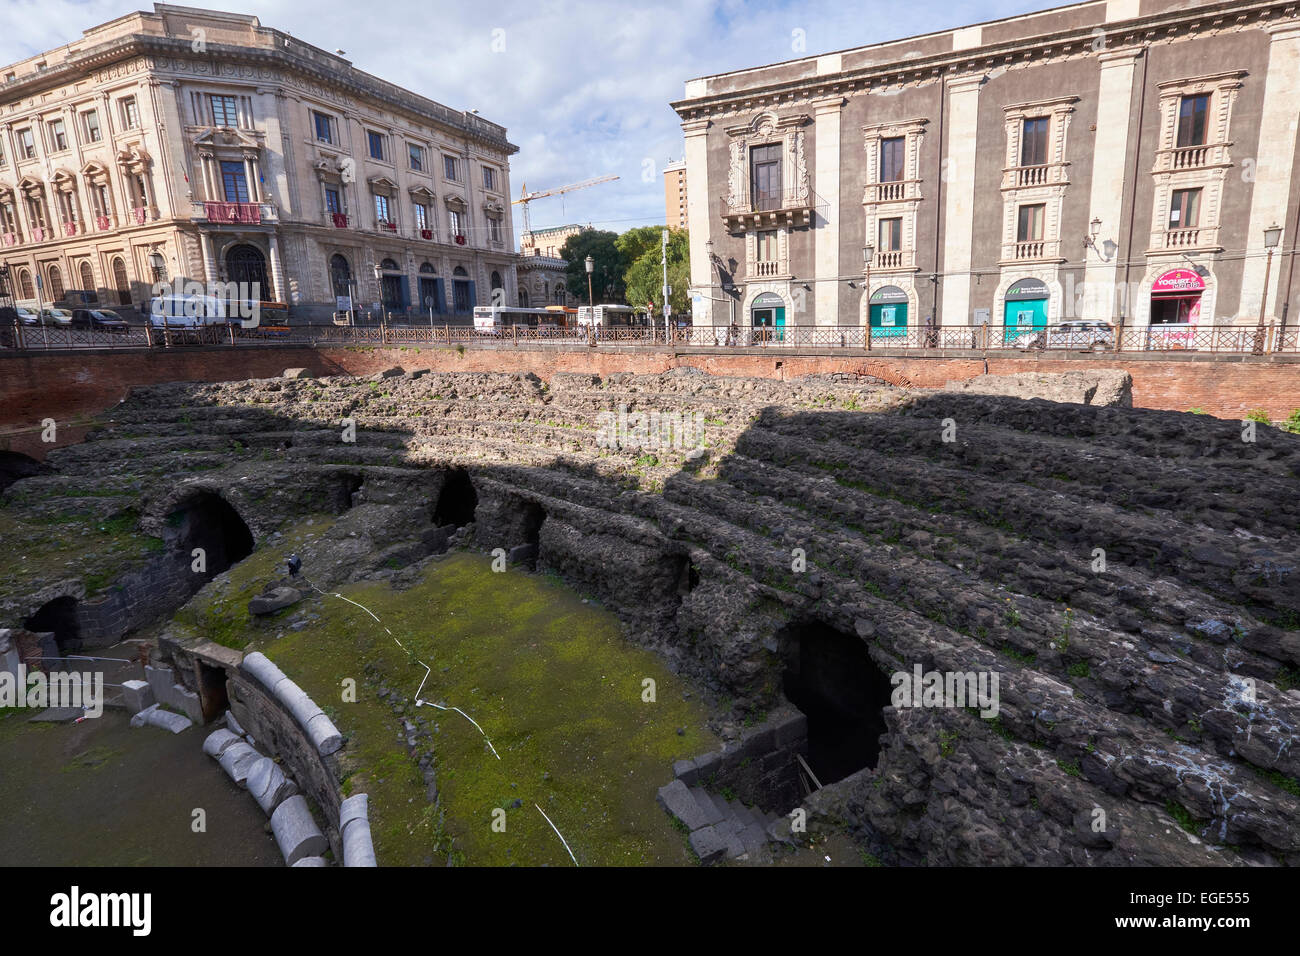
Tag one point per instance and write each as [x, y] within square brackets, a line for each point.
[637, 241]
[607, 277]
[645, 276]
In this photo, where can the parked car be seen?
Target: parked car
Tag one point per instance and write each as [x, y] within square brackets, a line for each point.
[59, 317]
[27, 316]
[105, 319]
[186, 311]
[1081, 335]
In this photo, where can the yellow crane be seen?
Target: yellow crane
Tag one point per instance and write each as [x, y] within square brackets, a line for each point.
[525, 197]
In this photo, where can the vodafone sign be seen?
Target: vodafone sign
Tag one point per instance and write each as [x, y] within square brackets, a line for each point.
[1178, 281]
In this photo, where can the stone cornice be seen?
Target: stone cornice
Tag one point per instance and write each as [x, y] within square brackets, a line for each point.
[176, 53]
[1074, 41]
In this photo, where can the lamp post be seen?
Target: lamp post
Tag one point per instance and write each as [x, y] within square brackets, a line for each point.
[1272, 236]
[591, 300]
[868, 252]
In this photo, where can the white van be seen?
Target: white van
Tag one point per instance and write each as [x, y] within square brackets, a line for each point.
[186, 311]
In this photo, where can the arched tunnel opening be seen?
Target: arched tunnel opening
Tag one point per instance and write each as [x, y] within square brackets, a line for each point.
[457, 500]
[15, 466]
[830, 677]
[207, 521]
[534, 518]
[59, 617]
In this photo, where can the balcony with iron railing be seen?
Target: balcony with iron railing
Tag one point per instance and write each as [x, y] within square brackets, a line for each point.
[233, 213]
[787, 207]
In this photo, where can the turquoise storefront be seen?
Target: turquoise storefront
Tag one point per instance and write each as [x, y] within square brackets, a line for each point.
[888, 308]
[1025, 308]
[768, 316]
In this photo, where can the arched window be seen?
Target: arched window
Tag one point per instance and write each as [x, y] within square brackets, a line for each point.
[25, 286]
[87, 276]
[340, 275]
[496, 281]
[523, 298]
[459, 271]
[158, 267]
[428, 269]
[559, 293]
[56, 283]
[120, 281]
[388, 265]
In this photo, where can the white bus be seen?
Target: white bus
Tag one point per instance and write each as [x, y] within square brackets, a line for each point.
[611, 317]
[187, 311]
[492, 319]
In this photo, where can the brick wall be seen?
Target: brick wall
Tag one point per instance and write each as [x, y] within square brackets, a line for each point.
[69, 386]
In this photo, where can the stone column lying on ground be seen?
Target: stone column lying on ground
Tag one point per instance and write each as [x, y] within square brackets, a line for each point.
[296, 833]
[354, 825]
[154, 716]
[324, 736]
[238, 760]
[268, 785]
[218, 742]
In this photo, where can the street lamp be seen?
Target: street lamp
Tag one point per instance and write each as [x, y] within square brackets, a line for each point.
[1272, 236]
[591, 267]
[868, 252]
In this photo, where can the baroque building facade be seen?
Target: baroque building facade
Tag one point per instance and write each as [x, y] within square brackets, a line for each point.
[200, 145]
[1116, 160]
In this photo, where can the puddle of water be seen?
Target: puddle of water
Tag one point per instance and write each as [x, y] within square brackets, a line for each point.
[101, 793]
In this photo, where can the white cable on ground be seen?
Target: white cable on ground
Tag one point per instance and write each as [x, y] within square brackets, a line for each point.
[558, 834]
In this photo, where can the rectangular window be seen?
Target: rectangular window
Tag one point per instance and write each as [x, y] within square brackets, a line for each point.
[765, 173]
[421, 216]
[130, 113]
[1030, 227]
[891, 235]
[766, 247]
[90, 122]
[450, 169]
[1033, 142]
[324, 127]
[494, 230]
[333, 203]
[26, 145]
[891, 159]
[489, 178]
[455, 219]
[223, 110]
[381, 208]
[1185, 209]
[234, 180]
[3, 162]
[416, 154]
[376, 143]
[58, 136]
[1192, 113]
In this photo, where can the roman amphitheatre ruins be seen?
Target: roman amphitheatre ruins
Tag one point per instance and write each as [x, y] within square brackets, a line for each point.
[674, 654]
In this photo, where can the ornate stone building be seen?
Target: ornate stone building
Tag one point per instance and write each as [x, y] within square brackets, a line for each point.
[542, 278]
[1120, 160]
[201, 145]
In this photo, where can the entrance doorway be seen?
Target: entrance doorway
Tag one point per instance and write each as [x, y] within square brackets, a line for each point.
[768, 318]
[888, 312]
[1025, 308]
[246, 266]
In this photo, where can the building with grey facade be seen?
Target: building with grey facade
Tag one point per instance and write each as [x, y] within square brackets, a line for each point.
[1120, 160]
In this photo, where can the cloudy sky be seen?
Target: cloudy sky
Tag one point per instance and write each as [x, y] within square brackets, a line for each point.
[583, 86]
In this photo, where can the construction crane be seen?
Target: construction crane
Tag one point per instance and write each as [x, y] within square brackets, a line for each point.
[525, 197]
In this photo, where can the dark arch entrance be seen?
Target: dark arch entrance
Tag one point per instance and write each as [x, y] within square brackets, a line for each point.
[15, 466]
[245, 264]
[60, 617]
[831, 678]
[207, 521]
[340, 276]
[457, 501]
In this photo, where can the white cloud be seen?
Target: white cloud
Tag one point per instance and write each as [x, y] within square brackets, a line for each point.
[583, 86]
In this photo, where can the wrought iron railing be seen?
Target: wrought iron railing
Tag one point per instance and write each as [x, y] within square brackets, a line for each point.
[1223, 339]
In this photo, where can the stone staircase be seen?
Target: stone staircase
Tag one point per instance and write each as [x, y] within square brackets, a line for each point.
[721, 828]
